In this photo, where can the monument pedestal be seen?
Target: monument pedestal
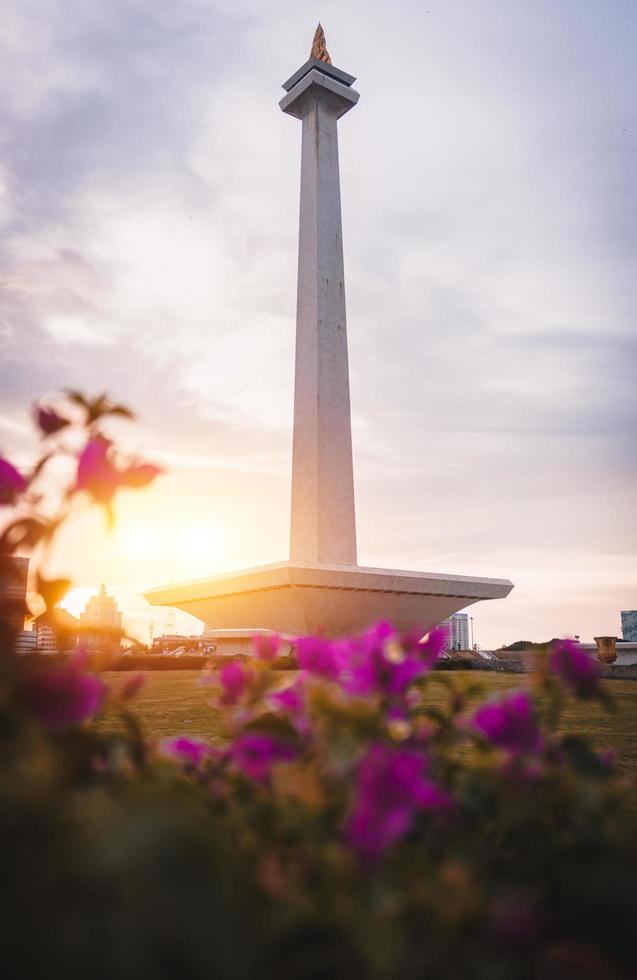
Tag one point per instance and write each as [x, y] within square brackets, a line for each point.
[298, 598]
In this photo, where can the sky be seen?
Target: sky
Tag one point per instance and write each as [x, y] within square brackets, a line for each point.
[148, 232]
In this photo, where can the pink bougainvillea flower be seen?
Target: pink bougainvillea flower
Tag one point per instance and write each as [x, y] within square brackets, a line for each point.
[390, 789]
[317, 656]
[386, 662]
[65, 695]
[98, 474]
[190, 752]
[11, 482]
[49, 421]
[266, 647]
[291, 701]
[577, 670]
[510, 723]
[255, 753]
[234, 679]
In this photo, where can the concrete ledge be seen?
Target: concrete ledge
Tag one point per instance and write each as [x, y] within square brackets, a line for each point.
[318, 65]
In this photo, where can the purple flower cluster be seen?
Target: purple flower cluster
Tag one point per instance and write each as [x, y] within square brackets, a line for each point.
[65, 695]
[318, 656]
[510, 723]
[188, 752]
[390, 789]
[234, 679]
[381, 661]
[255, 753]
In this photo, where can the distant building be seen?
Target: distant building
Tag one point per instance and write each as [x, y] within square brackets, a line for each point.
[239, 642]
[170, 642]
[101, 623]
[629, 625]
[13, 591]
[56, 632]
[25, 642]
[457, 627]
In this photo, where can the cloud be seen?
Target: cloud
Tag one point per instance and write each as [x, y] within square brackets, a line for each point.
[149, 214]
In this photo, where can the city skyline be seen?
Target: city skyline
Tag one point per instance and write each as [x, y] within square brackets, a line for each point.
[490, 289]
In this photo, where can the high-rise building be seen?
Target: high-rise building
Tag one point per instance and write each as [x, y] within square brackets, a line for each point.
[457, 627]
[13, 591]
[101, 622]
[629, 625]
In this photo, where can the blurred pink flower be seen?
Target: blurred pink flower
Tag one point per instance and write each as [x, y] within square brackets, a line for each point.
[98, 474]
[187, 751]
[255, 754]
[510, 723]
[266, 647]
[95, 471]
[65, 695]
[390, 789]
[384, 661]
[11, 482]
[577, 670]
[233, 679]
[318, 656]
[290, 701]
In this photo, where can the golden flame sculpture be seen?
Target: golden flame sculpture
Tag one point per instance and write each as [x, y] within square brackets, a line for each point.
[319, 50]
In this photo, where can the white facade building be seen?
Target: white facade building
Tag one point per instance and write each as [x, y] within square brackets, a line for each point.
[457, 627]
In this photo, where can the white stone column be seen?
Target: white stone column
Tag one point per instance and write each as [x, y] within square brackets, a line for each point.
[323, 526]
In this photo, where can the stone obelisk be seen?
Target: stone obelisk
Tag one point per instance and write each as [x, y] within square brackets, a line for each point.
[323, 526]
[322, 588]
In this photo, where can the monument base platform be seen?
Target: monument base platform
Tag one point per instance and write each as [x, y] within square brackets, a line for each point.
[300, 598]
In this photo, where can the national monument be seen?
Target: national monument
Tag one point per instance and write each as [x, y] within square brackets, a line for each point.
[322, 588]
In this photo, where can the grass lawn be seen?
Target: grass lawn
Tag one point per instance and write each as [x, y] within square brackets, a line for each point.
[172, 702]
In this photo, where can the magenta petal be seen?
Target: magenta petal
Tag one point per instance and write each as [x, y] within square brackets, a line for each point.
[255, 754]
[233, 679]
[317, 656]
[390, 789]
[11, 482]
[187, 751]
[64, 696]
[95, 472]
[510, 723]
[290, 699]
[266, 647]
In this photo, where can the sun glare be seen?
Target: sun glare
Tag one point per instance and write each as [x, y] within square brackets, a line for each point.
[171, 550]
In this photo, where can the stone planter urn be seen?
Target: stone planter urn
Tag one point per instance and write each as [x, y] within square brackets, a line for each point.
[606, 649]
